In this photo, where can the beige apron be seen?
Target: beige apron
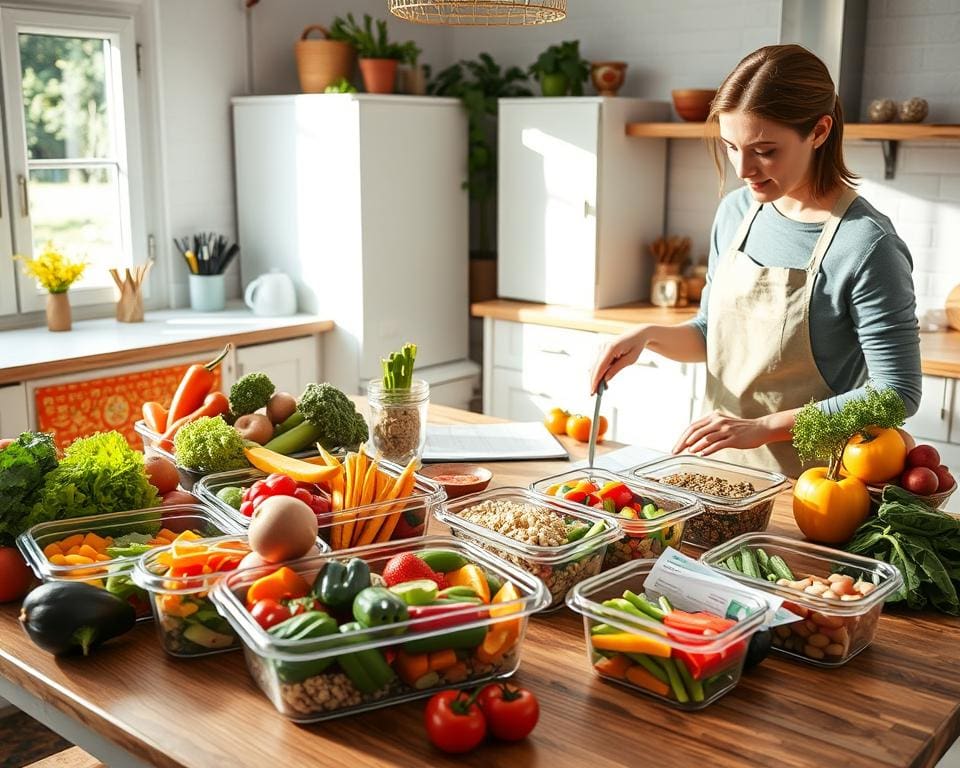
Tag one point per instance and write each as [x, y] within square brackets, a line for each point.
[759, 357]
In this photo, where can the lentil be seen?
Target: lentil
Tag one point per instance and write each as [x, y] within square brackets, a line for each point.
[711, 485]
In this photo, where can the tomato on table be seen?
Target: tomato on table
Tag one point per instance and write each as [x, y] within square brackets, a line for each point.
[512, 712]
[454, 722]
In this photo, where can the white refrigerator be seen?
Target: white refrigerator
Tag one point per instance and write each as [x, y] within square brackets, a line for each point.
[360, 199]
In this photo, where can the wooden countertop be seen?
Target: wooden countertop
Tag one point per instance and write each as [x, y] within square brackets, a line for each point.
[895, 704]
[939, 351]
[32, 353]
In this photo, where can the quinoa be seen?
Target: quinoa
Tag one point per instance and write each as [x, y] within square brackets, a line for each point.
[710, 485]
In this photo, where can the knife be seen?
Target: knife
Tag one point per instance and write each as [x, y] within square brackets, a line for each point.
[595, 424]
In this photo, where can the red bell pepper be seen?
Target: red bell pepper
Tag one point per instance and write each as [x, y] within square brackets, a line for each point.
[445, 616]
[698, 622]
[617, 492]
[576, 496]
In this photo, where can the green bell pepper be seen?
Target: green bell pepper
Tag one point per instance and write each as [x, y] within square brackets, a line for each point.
[339, 584]
[304, 626]
[376, 606]
[367, 670]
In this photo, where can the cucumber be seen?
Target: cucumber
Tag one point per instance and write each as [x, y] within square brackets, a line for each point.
[779, 567]
[749, 564]
[442, 560]
[732, 564]
[763, 562]
[201, 635]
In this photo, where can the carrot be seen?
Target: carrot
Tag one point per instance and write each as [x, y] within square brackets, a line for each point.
[155, 416]
[640, 677]
[615, 666]
[215, 404]
[402, 487]
[194, 387]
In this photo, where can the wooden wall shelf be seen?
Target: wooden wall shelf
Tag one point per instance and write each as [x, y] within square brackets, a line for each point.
[888, 133]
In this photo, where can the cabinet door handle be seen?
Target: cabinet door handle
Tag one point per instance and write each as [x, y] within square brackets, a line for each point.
[24, 195]
[943, 401]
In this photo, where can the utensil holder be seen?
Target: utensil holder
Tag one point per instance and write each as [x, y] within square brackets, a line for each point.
[207, 293]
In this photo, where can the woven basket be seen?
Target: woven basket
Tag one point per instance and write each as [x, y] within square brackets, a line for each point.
[935, 500]
[322, 62]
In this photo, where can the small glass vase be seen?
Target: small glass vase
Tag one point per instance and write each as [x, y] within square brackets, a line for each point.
[398, 420]
[58, 312]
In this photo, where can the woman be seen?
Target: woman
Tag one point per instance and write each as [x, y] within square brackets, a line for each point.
[809, 291]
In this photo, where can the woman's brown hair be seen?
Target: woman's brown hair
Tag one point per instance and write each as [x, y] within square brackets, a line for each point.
[789, 85]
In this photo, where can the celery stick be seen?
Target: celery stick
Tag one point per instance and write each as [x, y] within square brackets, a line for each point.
[648, 664]
[694, 686]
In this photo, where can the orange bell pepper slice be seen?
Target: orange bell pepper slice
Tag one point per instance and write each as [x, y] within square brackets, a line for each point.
[471, 576]
[283, 584]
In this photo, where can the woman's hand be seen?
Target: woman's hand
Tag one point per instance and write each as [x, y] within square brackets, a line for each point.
[617, 355]
[716, 431]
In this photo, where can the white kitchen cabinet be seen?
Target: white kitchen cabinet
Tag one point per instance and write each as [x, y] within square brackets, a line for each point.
[13, 410]
[291, 365]
[360, 199]
[578, 200]
[529, 369]
[933, 418]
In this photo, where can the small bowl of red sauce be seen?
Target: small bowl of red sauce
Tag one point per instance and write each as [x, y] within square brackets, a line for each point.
[458, 479]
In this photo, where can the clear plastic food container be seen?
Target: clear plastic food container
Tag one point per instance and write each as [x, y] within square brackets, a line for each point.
[833, 630]
[151, 441]
[579, 549]
[682, 668]
[723, 516]
[379, 522]
[310, 679]
[643, 536]
[41, 542]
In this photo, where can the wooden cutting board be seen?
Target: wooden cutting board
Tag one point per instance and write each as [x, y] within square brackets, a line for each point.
[953, 309]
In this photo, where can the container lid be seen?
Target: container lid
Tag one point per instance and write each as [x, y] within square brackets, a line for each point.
[229, 592]
[116, 524]
[766, 484]
[886, 577]
[452, 514]
[630, 575]
[678, 504]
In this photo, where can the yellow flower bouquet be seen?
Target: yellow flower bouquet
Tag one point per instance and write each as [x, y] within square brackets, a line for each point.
[54, 271]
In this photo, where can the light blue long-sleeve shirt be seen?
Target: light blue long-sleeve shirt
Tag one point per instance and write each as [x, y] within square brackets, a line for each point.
[863, 316]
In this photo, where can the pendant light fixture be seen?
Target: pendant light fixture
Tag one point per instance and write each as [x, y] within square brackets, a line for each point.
[480, 13]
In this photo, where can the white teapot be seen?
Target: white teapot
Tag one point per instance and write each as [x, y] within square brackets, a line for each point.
[272, 295]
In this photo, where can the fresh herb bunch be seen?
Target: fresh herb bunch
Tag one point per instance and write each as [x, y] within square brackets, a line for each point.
[398, 368]
[922, 542]
[820, 436]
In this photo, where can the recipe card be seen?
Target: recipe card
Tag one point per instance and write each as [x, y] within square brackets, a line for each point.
[692, 586]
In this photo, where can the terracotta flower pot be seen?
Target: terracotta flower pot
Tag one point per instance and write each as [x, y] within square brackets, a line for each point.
[608, 76]
[58, 312]
[379, 75]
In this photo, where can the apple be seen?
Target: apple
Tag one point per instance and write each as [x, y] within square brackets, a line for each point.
[944, 477]
[920, 480]
[923, 456]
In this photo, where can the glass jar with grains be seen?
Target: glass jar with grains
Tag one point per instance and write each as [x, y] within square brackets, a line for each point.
[398, 419]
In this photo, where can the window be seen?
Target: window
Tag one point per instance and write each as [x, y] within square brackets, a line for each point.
[73, 149]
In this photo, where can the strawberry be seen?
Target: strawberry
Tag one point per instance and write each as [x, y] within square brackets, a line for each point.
[406, 566]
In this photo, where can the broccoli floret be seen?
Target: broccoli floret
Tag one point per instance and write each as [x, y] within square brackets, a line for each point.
[250, 393]
[333, 413]
[209, 444]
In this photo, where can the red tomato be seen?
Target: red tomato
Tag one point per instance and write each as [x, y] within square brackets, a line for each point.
[511, 712]
[268, 612]
[15, 575]
[281, 485]
[454, 722]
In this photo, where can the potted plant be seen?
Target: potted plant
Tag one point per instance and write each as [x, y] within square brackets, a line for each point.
[378, 56]
[55, 273]
[561, 70]
[478, 84]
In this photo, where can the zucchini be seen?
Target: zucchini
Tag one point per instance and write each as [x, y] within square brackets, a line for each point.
[732, 564]
[763, 562]
[749, 564]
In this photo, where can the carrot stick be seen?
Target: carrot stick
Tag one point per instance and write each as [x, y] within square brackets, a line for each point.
[402, 488]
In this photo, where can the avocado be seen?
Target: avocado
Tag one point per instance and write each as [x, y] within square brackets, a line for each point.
[201, 635]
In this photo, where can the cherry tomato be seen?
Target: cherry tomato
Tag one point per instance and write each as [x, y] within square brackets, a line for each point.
[246, 508]
[454, 722]
[578, 427]
[556, 421]
[15, 575]
[268, 612]
[304, 495]
[511, 712]
[281, 485]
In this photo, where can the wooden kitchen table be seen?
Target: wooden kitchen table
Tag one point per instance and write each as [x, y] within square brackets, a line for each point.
[896, 704]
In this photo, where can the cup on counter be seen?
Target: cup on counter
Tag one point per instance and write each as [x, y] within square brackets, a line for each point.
[207, 293]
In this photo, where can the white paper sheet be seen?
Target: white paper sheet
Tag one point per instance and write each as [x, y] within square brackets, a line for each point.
[491, 442]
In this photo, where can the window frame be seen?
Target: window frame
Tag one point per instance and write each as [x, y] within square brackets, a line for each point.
[126, 135]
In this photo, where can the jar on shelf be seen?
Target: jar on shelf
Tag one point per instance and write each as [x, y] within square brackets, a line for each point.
[398, 420]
